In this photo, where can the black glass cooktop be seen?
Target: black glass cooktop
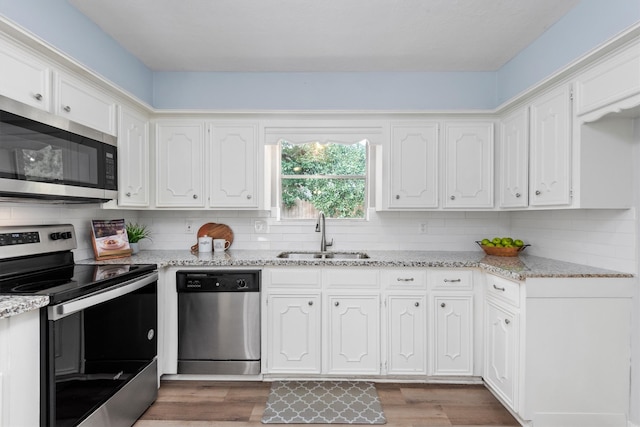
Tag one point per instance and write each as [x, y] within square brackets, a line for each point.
[72, 281]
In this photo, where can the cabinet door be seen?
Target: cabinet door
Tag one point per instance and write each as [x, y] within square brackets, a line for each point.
[294, 321]
[414, 166]
[85, 104]
[453, 335]
[233, 166]
[24, 78]
[133, 159]
[468, 165]
[550, 180]
[354, 334]
[406, 334]
[501, 355]
[514, 160]
[180, 163]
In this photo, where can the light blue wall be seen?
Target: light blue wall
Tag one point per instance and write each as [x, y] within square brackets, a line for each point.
[588, 25]
[341, 91]
[64, 27]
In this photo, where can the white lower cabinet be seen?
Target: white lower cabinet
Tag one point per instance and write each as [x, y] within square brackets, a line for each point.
[296, 342]
[406, 334]
[501, 350]
[353, 334]
[20, 370]
[452, 344]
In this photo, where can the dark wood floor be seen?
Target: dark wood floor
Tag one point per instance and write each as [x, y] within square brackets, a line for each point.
[240, 404]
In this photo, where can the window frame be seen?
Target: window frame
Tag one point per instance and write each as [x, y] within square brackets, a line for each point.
[327, 140]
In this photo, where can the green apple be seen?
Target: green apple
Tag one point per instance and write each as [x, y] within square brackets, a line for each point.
[507, 241]
[490, 245]
[496, 241]
[518, 243]
[485, 242]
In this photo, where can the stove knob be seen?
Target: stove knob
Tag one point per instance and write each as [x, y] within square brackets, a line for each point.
[55, 236]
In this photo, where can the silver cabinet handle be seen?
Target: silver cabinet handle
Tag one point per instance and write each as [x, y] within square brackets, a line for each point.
[195, 196]
[538, 192]
[417, 304]
[518, 194]
[310, 303]
[498, 288]
[67, 108]
[507, 321]
[336, 303]
[452, 197]
[452, 280]
[443, 305]
[408, 279]
[128, 194]
[38, 96]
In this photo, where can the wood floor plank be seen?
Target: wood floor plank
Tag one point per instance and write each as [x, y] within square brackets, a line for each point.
[241, 404]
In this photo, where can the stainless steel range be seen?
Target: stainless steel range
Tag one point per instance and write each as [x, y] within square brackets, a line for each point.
[98, 334]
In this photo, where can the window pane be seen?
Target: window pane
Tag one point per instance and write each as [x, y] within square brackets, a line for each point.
[323, 159]
[303, 198]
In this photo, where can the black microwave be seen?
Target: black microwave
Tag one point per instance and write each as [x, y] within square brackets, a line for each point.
[47, 157]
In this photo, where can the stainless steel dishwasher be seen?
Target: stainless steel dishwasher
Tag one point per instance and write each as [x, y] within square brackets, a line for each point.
[218, 322]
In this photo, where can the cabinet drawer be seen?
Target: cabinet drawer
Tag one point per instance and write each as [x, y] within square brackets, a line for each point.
[351, 278]
[404, 279]
[450, 279]
[294, 277]
[503, 289]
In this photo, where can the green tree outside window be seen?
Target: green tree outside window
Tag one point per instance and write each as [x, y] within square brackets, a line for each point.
[329, 177]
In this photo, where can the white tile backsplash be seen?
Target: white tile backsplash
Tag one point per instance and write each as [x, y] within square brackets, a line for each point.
[602, 238]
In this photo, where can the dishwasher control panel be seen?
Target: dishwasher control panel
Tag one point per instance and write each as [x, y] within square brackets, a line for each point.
[218, 281]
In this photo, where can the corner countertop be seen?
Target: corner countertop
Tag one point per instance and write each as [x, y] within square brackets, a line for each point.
[517, 268]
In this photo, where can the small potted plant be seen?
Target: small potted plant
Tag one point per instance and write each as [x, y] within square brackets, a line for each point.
[135, 233]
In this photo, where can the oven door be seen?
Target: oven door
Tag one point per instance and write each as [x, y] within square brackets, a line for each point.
[101, 351]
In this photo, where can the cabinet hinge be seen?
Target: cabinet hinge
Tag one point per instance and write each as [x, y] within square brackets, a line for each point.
[571, 194]
[571, 94]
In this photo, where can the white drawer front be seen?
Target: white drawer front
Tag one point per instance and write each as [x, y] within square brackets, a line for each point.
[351, 278]
[294, 277]
[404, 278]
[450, 279]
[503, 289]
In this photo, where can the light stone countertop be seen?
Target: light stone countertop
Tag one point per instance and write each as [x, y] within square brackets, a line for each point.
[13, 305]
[517, 268]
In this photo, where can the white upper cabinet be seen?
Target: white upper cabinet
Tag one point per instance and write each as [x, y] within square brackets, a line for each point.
[468, 162]
[550, 154]
[414, 166]
[83, 103]
[24, 77]
[514, 160]
[133, 159]
[233, 160]
[180, 164]
[610, 85]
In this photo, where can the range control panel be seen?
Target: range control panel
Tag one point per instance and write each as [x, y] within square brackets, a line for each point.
[22, 240]
[218, 281]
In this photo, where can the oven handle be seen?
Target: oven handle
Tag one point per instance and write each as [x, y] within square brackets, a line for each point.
[59, 311]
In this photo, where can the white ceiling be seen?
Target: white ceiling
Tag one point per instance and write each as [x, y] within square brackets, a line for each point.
[324, 35]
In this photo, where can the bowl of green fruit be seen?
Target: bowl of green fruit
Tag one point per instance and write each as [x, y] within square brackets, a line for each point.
[502, 246]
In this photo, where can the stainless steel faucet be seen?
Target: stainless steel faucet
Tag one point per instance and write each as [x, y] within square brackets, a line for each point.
[320, 228]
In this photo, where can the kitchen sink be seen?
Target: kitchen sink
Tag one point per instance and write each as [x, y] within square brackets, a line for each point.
[322, 255]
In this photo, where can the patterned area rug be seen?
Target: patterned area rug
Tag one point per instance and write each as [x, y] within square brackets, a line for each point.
[323, 402]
